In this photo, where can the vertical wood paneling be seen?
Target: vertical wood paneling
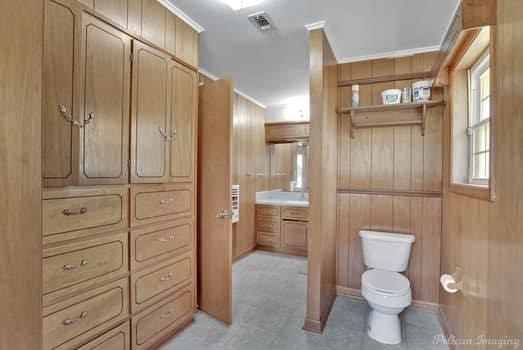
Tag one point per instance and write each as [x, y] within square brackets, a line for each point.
[402, 158]
[416, 257]
[381, 213]
[343, 228]
[359, 218]
[431, 249]
[382, 158]
[360, 159]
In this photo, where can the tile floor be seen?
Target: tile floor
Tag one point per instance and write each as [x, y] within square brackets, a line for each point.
[269, 292]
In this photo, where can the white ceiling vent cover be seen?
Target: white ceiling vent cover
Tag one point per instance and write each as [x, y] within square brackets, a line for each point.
[261, 20]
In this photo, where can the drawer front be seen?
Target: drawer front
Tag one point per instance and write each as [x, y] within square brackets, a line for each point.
[267, 211]
[76, 266]
[161, 241]
[267, 239]
[165, 317]
[68, 214]
[118, 338]
[294, 235]
[155, 283]
[268, 226]
[295, 213]
[80, 318]
[156, 203]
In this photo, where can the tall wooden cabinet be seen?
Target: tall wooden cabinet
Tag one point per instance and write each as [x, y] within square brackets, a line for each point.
[118, 208]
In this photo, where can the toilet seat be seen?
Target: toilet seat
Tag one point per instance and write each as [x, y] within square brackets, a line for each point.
[385, 282]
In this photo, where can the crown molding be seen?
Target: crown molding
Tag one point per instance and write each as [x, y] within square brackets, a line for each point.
[391, 54]
[315, 25]
[454, 13]
[242, 94]
[180, 14]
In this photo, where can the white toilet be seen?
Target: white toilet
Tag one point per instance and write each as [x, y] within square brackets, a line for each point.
[386, 290]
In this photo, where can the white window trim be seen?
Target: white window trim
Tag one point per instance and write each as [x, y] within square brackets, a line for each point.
[474, 121]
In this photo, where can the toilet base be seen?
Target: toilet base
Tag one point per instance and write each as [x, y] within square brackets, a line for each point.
[384, 328]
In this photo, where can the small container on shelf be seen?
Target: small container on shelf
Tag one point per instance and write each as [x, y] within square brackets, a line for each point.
[421, 90]
[406, 95]
[391, 96]
[355, 96]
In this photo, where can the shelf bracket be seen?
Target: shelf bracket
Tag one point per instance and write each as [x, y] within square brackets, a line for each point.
[424, 119]
[352, 124]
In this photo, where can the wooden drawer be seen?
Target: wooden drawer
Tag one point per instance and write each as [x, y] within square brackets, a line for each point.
[295, 213]
[79, 212]
[72, 322]
[150, 285]
[294, 235]
[70, 268]
[267, 226]
[153, 325]
[267, 239]
[157, 203]
[268, 211]
[118, 338]
[155, 243]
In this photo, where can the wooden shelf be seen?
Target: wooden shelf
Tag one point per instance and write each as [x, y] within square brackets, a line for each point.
[372, 117]
[386, 79]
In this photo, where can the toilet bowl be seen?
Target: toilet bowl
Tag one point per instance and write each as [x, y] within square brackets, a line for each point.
[385, 289]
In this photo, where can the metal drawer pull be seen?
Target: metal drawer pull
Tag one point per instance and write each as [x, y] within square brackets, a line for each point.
[88, 120]
[166, 201]
[166, 278]
[166, 240]
[69, 267]
[69, 117]
[165, 315]
[167, 138]
[68, 212]
[69, 321]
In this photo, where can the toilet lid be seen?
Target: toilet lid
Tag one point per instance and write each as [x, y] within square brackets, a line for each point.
[385, 281]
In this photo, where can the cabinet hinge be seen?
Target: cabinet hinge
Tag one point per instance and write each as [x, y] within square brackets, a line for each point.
[129, 163]
[131, 57]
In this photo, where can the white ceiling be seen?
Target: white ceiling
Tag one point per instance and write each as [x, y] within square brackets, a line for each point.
[273, 66]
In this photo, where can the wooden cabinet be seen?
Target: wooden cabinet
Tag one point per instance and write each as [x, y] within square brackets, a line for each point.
[294, 235]
[286, 132]
[187, 42]
[86, 98]
[163, 117]
[118, 338]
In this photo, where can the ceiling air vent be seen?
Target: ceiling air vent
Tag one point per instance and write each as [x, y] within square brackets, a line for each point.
[261, 20]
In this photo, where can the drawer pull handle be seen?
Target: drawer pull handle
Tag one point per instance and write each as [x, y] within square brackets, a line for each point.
[167, 278]
[165, 315]
[166, 240]
[69, 267]
[69, 321]
[68, 212]
[166, 201]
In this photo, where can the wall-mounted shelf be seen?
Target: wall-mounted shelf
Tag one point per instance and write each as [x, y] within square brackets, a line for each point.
[386, 79]
[372, 117]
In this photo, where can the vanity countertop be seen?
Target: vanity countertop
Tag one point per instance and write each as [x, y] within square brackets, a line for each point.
[283, 199]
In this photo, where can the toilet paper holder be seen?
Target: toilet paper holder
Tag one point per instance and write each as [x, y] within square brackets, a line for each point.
[459, 282]
[452, 283]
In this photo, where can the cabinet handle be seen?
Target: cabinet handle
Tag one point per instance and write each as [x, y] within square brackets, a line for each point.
[89, 118]
[260, 174]
[69, 267]
[166, 278]
[173, 134]
[167, 138]
[70, 321]
[166, 240]
[69, 117]
[166, 201]
[68, 212]
[165, 315]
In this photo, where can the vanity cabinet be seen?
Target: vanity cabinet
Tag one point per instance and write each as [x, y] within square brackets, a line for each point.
[282, 229]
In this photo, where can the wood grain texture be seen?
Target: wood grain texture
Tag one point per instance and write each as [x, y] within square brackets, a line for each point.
[21, 27]
[321, 282]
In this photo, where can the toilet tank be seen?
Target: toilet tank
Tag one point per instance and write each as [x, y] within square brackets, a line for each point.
[386, 251]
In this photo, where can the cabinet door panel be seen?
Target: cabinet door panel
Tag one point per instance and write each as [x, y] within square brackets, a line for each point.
[183, 114]
[115, 10]
[154, 22]
[150, 113]
[106, 56]
[61, 37]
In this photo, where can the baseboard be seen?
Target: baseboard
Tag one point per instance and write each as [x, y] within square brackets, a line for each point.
[417, 304]
[318, 326]
[281, 251]
[312, 326]
[445, 326]
[243, 255]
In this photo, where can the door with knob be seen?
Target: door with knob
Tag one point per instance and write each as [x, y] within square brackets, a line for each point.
[214, 199]
[105, 111]
[150, 135]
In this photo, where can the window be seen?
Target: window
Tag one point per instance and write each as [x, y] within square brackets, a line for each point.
[479, 122]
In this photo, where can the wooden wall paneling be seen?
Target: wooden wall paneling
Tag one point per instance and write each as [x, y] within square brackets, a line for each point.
[343, 239]
[154, 22]
[361, 159]
[416, 255]
[381, 213]
[104, 138]
[430, 270]
[382, 158]
[21, 27]
[417, 159]
[381, 67]
[432, 151]
[62, 33]
[359, 219]
[402, 158]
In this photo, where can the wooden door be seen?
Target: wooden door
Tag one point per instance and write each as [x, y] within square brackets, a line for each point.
[150, 101]
[106, 56]
[183, 116]
[214, 197]
[61, 85]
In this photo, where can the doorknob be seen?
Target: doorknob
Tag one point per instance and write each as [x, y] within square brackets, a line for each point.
[223, 214]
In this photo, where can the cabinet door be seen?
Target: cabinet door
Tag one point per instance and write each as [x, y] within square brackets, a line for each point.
[149, 114]
[187, 42]
[107, 70]
[60, 88]
[294, 235]
[115, 10]
[154, 22]
[183, 115]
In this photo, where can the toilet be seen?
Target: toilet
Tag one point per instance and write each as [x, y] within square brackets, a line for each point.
[383, 286]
